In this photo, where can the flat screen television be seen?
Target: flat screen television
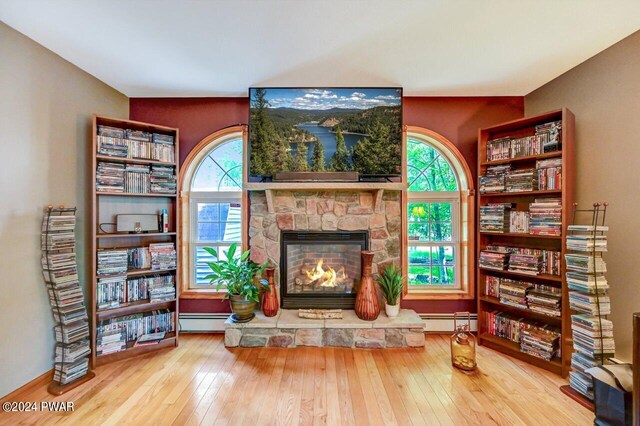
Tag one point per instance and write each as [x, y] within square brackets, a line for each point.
[325, 130]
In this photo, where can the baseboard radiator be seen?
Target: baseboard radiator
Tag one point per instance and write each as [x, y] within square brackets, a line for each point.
[214, 323]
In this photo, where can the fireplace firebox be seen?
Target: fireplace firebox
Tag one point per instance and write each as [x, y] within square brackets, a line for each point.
[321, 269]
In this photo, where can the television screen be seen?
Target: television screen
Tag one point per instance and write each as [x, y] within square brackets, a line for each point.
[325, 130]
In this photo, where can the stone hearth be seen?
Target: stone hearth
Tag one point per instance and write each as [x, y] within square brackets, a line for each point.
[287, 330]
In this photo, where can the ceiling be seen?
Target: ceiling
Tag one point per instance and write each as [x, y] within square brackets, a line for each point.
[154, 48]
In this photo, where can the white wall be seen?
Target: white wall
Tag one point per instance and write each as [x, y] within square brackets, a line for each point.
[46, 105]
[604, 94]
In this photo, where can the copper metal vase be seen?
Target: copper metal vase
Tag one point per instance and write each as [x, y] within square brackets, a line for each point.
[270, 300]
[367, 305]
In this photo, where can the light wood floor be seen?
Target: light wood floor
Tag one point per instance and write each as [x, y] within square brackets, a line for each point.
[202, 382]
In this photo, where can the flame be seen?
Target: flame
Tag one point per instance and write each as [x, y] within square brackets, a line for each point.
[328, 277]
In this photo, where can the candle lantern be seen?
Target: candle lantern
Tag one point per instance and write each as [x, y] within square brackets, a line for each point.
[463, 343]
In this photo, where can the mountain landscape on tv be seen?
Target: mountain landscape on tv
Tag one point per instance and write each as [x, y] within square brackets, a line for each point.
[318, 130]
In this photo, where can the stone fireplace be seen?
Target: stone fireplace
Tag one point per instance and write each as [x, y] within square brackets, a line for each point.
[321, 269]
[340, 212]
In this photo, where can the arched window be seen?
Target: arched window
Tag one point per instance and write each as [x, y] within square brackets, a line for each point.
[438, 253]
[212, 204]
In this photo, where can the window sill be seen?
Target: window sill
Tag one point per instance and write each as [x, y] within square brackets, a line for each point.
[451, 295]
[201, 294]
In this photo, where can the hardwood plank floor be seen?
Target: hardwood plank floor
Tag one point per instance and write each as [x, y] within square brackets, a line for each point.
[202, 382]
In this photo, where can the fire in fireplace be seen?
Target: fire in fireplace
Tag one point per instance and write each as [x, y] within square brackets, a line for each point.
[321, 269]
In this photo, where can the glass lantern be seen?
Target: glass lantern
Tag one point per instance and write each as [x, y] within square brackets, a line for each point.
[463, 343]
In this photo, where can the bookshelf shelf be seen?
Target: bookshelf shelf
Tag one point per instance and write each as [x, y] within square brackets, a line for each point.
[510, 308]
[139, 272]
[161, 143]
[528, 158]
[142, 235]
[114, 159]
[544, 277]
[522, 235]
[134, 194]
[134, 308]
[522, 193]
[512, 348]
[562, 176]
[170, 341]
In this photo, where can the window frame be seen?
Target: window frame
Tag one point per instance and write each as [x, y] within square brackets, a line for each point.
[438, 197]
[189, 290]
[207, 197]
[465, 197]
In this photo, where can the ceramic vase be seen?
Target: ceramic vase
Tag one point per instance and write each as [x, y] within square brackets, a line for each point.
[270, 300]
[367, 304]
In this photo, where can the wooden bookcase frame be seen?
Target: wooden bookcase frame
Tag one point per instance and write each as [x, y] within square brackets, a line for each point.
[515, 129]
[105, 205]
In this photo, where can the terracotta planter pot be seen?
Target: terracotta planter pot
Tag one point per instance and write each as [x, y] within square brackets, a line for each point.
[242, 308]
[270, 299]
[367, 304]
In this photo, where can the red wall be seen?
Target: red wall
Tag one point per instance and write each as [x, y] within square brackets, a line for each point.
[457, 119]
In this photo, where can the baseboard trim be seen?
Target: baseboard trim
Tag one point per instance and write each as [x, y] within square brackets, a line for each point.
[443, 323]
[41, 380]
[214, 323]
[202, 322]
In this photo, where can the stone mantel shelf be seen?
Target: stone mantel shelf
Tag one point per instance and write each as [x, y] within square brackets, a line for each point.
[326, 186]
[377, 187]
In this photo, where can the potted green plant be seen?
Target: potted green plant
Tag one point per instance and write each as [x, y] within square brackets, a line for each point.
[238, 275]
[390, 281]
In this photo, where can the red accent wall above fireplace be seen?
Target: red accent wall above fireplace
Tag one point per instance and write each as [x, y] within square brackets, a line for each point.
[456, 118]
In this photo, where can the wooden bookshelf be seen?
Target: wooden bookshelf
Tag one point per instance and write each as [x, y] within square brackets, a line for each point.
[105, 207]
[517, 129]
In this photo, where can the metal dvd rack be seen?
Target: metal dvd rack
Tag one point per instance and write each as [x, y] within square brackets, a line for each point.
[60, 273]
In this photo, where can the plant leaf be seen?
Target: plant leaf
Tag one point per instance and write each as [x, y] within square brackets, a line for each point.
[211, 251]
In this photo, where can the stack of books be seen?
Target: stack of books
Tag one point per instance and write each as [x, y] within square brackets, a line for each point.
[545, 299]
[499, 149]
[163, 179]
[540, 342]
[492, 286]
[550, 135]
[127, 143]
[137, 180]
[111, 141]
[112, 262]
[163, 256]
[535, 339]
[494, 179]
[111, 338]
[60, 273]
[592, 333]
[522, 263]
[139, 258]
[495, 217]
[587, 243]
[163, 148]
[550, 258]
[130, 327]
[514, 292]
[493, 260]
[549, 173]
[521, 180]
[587, 283]
[545, 217]
[111, 292]
[592, 304]
[153, 288]
[110, 177]
[519, 222]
